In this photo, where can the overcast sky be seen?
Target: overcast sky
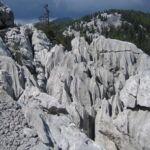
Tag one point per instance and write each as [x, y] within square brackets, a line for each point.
[31, 9]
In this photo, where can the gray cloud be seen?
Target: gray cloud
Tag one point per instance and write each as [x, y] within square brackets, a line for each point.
[71, 8]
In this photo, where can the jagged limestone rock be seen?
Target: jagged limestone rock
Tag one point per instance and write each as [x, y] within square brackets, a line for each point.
[12, 125]
[98, 91]
[13, 77]
[19, 42]
[54, 127]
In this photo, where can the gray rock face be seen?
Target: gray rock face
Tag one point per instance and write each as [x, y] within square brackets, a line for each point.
[103, 79]
[94, 97]
[12, 125]
[18, 41]
[14, 78]
[52, 122]
[7, 17]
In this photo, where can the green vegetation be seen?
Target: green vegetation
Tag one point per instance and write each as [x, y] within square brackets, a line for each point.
[135, 28]
[54, 31]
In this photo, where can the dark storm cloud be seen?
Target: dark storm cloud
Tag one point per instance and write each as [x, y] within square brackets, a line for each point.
[71, 8]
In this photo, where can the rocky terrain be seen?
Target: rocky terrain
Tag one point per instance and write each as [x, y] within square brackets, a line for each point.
[125, 25]
[94, 97]
[94, 27]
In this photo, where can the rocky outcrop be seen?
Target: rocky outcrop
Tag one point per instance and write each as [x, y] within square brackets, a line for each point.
[93, 26]
[48, 125]
[7, 17]
[52, 122]
[14, 130]
[96, 88]
[93, 97]
[130, 128]
[90, 82]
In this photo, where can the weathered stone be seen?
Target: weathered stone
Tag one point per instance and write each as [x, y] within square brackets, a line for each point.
[11, 126]
[64, 98]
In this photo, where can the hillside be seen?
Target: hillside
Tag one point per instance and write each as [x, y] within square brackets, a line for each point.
[125, 25]
[89, 97]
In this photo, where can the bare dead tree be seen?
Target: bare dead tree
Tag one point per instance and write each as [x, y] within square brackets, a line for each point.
[46, 14]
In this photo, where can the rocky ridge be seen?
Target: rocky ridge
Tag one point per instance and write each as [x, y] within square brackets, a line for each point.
[94, 27]
[93, 97]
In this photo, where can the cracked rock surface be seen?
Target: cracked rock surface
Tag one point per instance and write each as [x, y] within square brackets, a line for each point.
[93, 97]
[14, 130]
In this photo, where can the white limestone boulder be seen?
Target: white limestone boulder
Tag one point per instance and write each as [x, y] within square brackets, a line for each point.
[143, 95]
[136, 91]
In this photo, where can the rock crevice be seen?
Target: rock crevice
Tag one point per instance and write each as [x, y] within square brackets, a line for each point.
[93, 97]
